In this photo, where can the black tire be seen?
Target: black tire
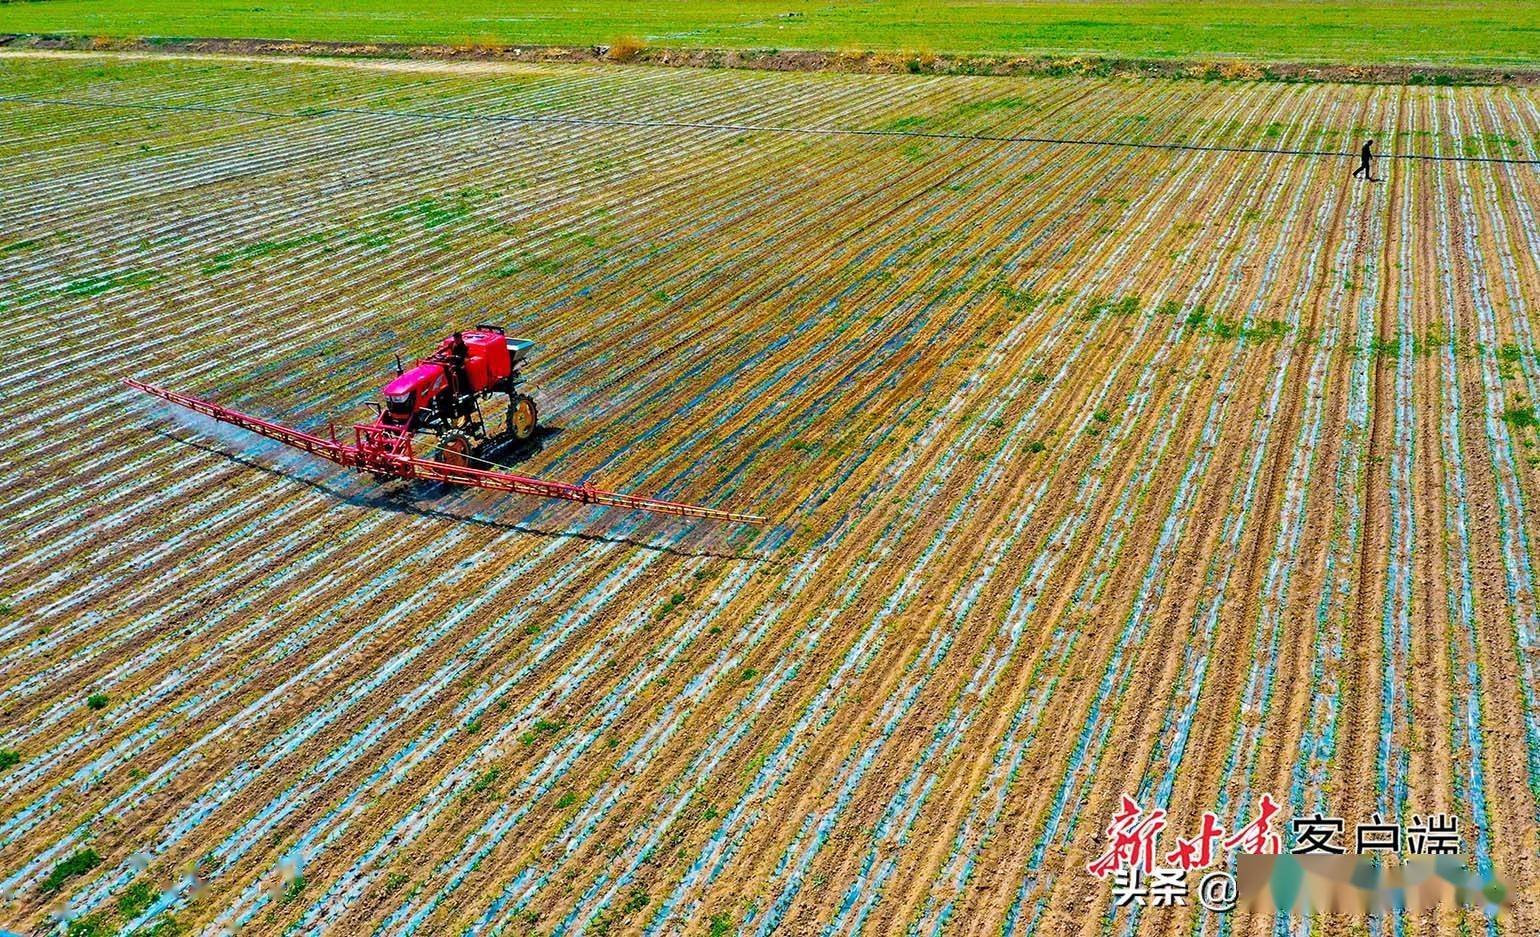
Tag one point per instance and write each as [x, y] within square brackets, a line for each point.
[454, 448]
[523, 417]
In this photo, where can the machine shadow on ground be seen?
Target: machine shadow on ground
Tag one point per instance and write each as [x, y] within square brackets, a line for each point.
[508, 451]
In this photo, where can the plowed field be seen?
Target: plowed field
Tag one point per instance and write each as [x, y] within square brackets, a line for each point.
[1192, 469]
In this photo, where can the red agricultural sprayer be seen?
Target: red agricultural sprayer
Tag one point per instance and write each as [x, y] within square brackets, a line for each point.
[441, 397]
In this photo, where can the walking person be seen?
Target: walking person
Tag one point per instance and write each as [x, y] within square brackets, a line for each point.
[1366, 162]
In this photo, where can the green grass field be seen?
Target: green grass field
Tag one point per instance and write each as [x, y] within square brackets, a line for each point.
[1467, 32]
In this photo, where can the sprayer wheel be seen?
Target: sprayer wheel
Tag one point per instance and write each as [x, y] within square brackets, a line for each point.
[522, 417]
[454, 448]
